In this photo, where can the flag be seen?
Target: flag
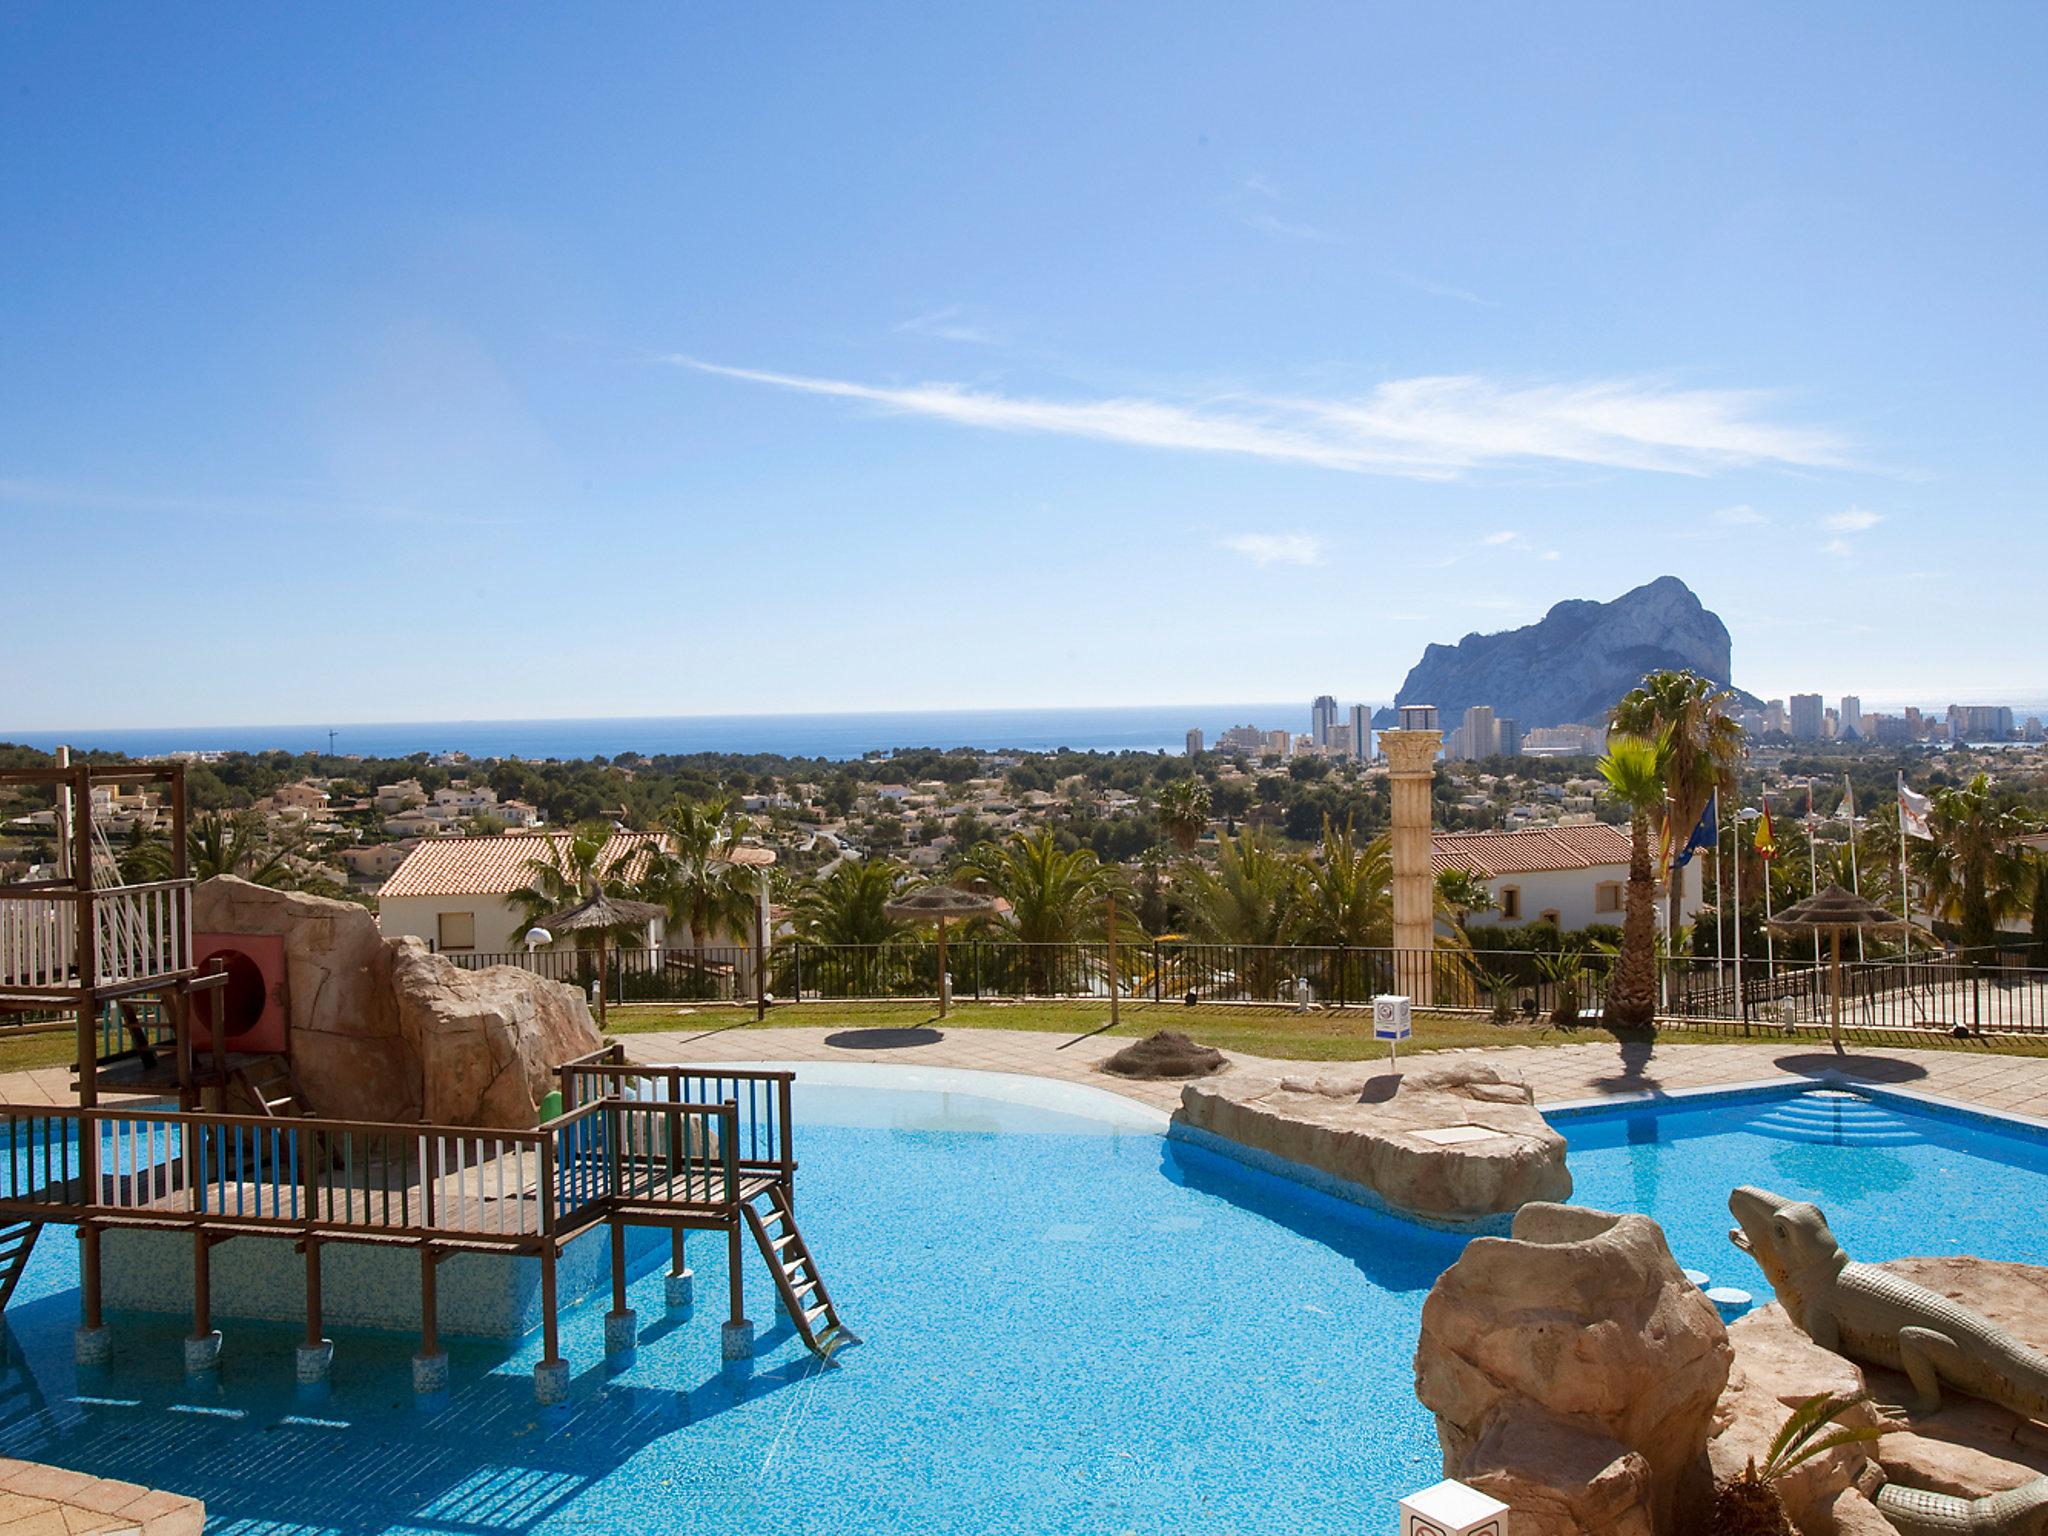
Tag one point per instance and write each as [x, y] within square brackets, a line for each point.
[1766, 839]
[1705, 835]
[1913, 811]
[1849, 802]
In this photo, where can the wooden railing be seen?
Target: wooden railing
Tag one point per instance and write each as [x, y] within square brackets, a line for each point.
[761, 1137]
[141, 933]
[367, 1180]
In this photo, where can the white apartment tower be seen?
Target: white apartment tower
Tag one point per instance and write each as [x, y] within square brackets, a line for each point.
[1322, 715]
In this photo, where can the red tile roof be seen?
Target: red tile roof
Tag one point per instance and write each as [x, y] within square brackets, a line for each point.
[1540, 849]
[496, 865]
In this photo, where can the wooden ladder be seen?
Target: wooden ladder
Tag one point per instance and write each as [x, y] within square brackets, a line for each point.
[17, 1242]
[270, 1083]
[797, 1279]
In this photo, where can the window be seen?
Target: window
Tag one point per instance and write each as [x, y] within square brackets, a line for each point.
[1511, 903]
[1553, 917]
[458, 930]
[1607, 896]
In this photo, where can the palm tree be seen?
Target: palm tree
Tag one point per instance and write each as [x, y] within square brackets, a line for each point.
[1974, 872]
[1055, 895]
[1183, 811]
[1344, 894]
[1247, 901]
[846, 906]
[692, 873]
[1462, 893]
[1702, 748]
[563, 875]
[238, 843]
[1634, 769]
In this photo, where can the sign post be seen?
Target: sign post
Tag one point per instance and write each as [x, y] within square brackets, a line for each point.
[1393, 1022]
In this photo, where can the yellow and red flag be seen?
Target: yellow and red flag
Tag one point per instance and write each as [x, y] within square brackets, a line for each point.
[1766, 839]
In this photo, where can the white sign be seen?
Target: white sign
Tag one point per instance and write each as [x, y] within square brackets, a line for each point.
[1452, 1509]
[1392, 1018]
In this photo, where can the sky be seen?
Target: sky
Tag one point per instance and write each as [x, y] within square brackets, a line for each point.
[463, 361]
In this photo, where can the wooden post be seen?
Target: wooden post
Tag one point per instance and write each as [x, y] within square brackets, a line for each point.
[676, 1266]
[430, 1302]
[1112, 961]
[181, 1000]
[313, 1319]
[551, 1340]
[618, 1264]
[732, 1266]
[202, 1285]
[77, 848]
[602, 989]
[1835, 987]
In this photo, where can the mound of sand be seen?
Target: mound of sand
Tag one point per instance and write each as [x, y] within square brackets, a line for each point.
[1166, 1054]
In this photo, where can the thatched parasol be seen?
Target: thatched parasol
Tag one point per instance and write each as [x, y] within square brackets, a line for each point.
[601, 914]
[1835, 912]
[940, 904]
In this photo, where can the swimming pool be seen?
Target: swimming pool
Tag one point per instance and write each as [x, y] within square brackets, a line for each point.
[1070, 1324]
[1894, 1177]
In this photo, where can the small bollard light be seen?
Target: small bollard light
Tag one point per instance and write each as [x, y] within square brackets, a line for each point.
[1393, 1020]
[1301, 994]
[1453, 1509]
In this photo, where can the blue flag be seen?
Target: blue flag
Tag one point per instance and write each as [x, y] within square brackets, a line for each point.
[1705, 835]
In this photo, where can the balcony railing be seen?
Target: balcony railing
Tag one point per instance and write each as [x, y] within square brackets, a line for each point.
[141, 934]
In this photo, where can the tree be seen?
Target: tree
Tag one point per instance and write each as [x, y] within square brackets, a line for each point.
[1701, 746]
[238, 843]
[1975, 874]
[1056, 895]
[2037, 956]
[562, 876]
[1247, 901]
[1462, 893]
[1183, 811]
[692, 873]
[1634, 769]
[847, 905]
[1344, 894]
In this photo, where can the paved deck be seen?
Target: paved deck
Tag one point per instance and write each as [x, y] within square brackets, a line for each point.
[36, 1500]
[1558, 1074]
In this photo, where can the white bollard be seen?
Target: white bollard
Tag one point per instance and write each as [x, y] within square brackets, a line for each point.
[1453, 1509]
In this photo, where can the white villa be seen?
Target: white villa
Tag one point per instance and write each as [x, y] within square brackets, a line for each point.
[455, 892]
[1568, 875]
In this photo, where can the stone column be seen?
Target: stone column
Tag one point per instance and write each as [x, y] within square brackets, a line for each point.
[1412, 756]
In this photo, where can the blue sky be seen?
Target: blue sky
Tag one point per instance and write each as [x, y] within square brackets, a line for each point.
[437, 362]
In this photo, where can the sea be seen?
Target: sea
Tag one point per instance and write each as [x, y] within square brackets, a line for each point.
[1128, 728]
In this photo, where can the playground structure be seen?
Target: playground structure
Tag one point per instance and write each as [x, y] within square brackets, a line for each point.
[634, 1145]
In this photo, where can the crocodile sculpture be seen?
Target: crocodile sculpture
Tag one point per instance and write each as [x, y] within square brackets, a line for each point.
[2021, 1511]
[1878, 1318]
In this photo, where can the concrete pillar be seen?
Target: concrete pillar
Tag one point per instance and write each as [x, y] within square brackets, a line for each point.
[1412, 757]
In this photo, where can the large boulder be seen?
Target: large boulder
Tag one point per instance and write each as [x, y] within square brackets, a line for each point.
[1580, 1321]
[381, 1029]
[487, 1041]
[1454, 1145]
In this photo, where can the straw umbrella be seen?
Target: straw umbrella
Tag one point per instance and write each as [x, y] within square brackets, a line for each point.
[600, 914]
[940, 903]
[1835, 912]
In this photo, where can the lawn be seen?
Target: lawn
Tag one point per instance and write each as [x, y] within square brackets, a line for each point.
[1275, 1032]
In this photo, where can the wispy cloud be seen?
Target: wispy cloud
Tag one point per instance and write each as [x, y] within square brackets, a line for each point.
[1276, 548]
[1442, 290]
[1744, 516]
[1854, 520]
[1432, 428]
[1511, 541]
[1253, 205]
[951, 322]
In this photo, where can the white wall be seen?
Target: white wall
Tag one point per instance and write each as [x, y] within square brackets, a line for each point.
[1571, 893]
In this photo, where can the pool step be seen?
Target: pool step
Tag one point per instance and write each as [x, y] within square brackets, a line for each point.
[1838, 1118]
[797, 1280]
[17, 1242]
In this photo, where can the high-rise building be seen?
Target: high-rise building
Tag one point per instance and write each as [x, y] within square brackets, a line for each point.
[1361, 732]
[1242, 738]
[1979, 722]
[1852, 716]
[1322, 715]
[1418, 717]
[1481, 735]
[1806, 717]
[1195, 742]
[1509, 733]
[1774, 717]
[1338, 743]
[1279, 743]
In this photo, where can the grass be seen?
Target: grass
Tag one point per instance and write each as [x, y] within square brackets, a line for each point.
[46, 1048]
[1274, 1032]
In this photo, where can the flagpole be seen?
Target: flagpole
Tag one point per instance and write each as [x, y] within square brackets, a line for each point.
[1905, 890]
[1812, 865]
[1741, 996]
[1855, 881]
[1720, 953]
[1770, 939]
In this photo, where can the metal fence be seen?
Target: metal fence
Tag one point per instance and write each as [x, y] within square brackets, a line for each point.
[1929, 991]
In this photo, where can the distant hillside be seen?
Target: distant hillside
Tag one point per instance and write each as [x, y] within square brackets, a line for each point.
[1573, 664]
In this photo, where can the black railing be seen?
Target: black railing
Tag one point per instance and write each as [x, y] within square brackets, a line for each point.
[1929, 991]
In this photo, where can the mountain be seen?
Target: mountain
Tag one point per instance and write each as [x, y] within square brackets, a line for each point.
[1575, 662]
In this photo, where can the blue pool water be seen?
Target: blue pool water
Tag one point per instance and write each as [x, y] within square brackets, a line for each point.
[1893, 1178]
[1070, 1325]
